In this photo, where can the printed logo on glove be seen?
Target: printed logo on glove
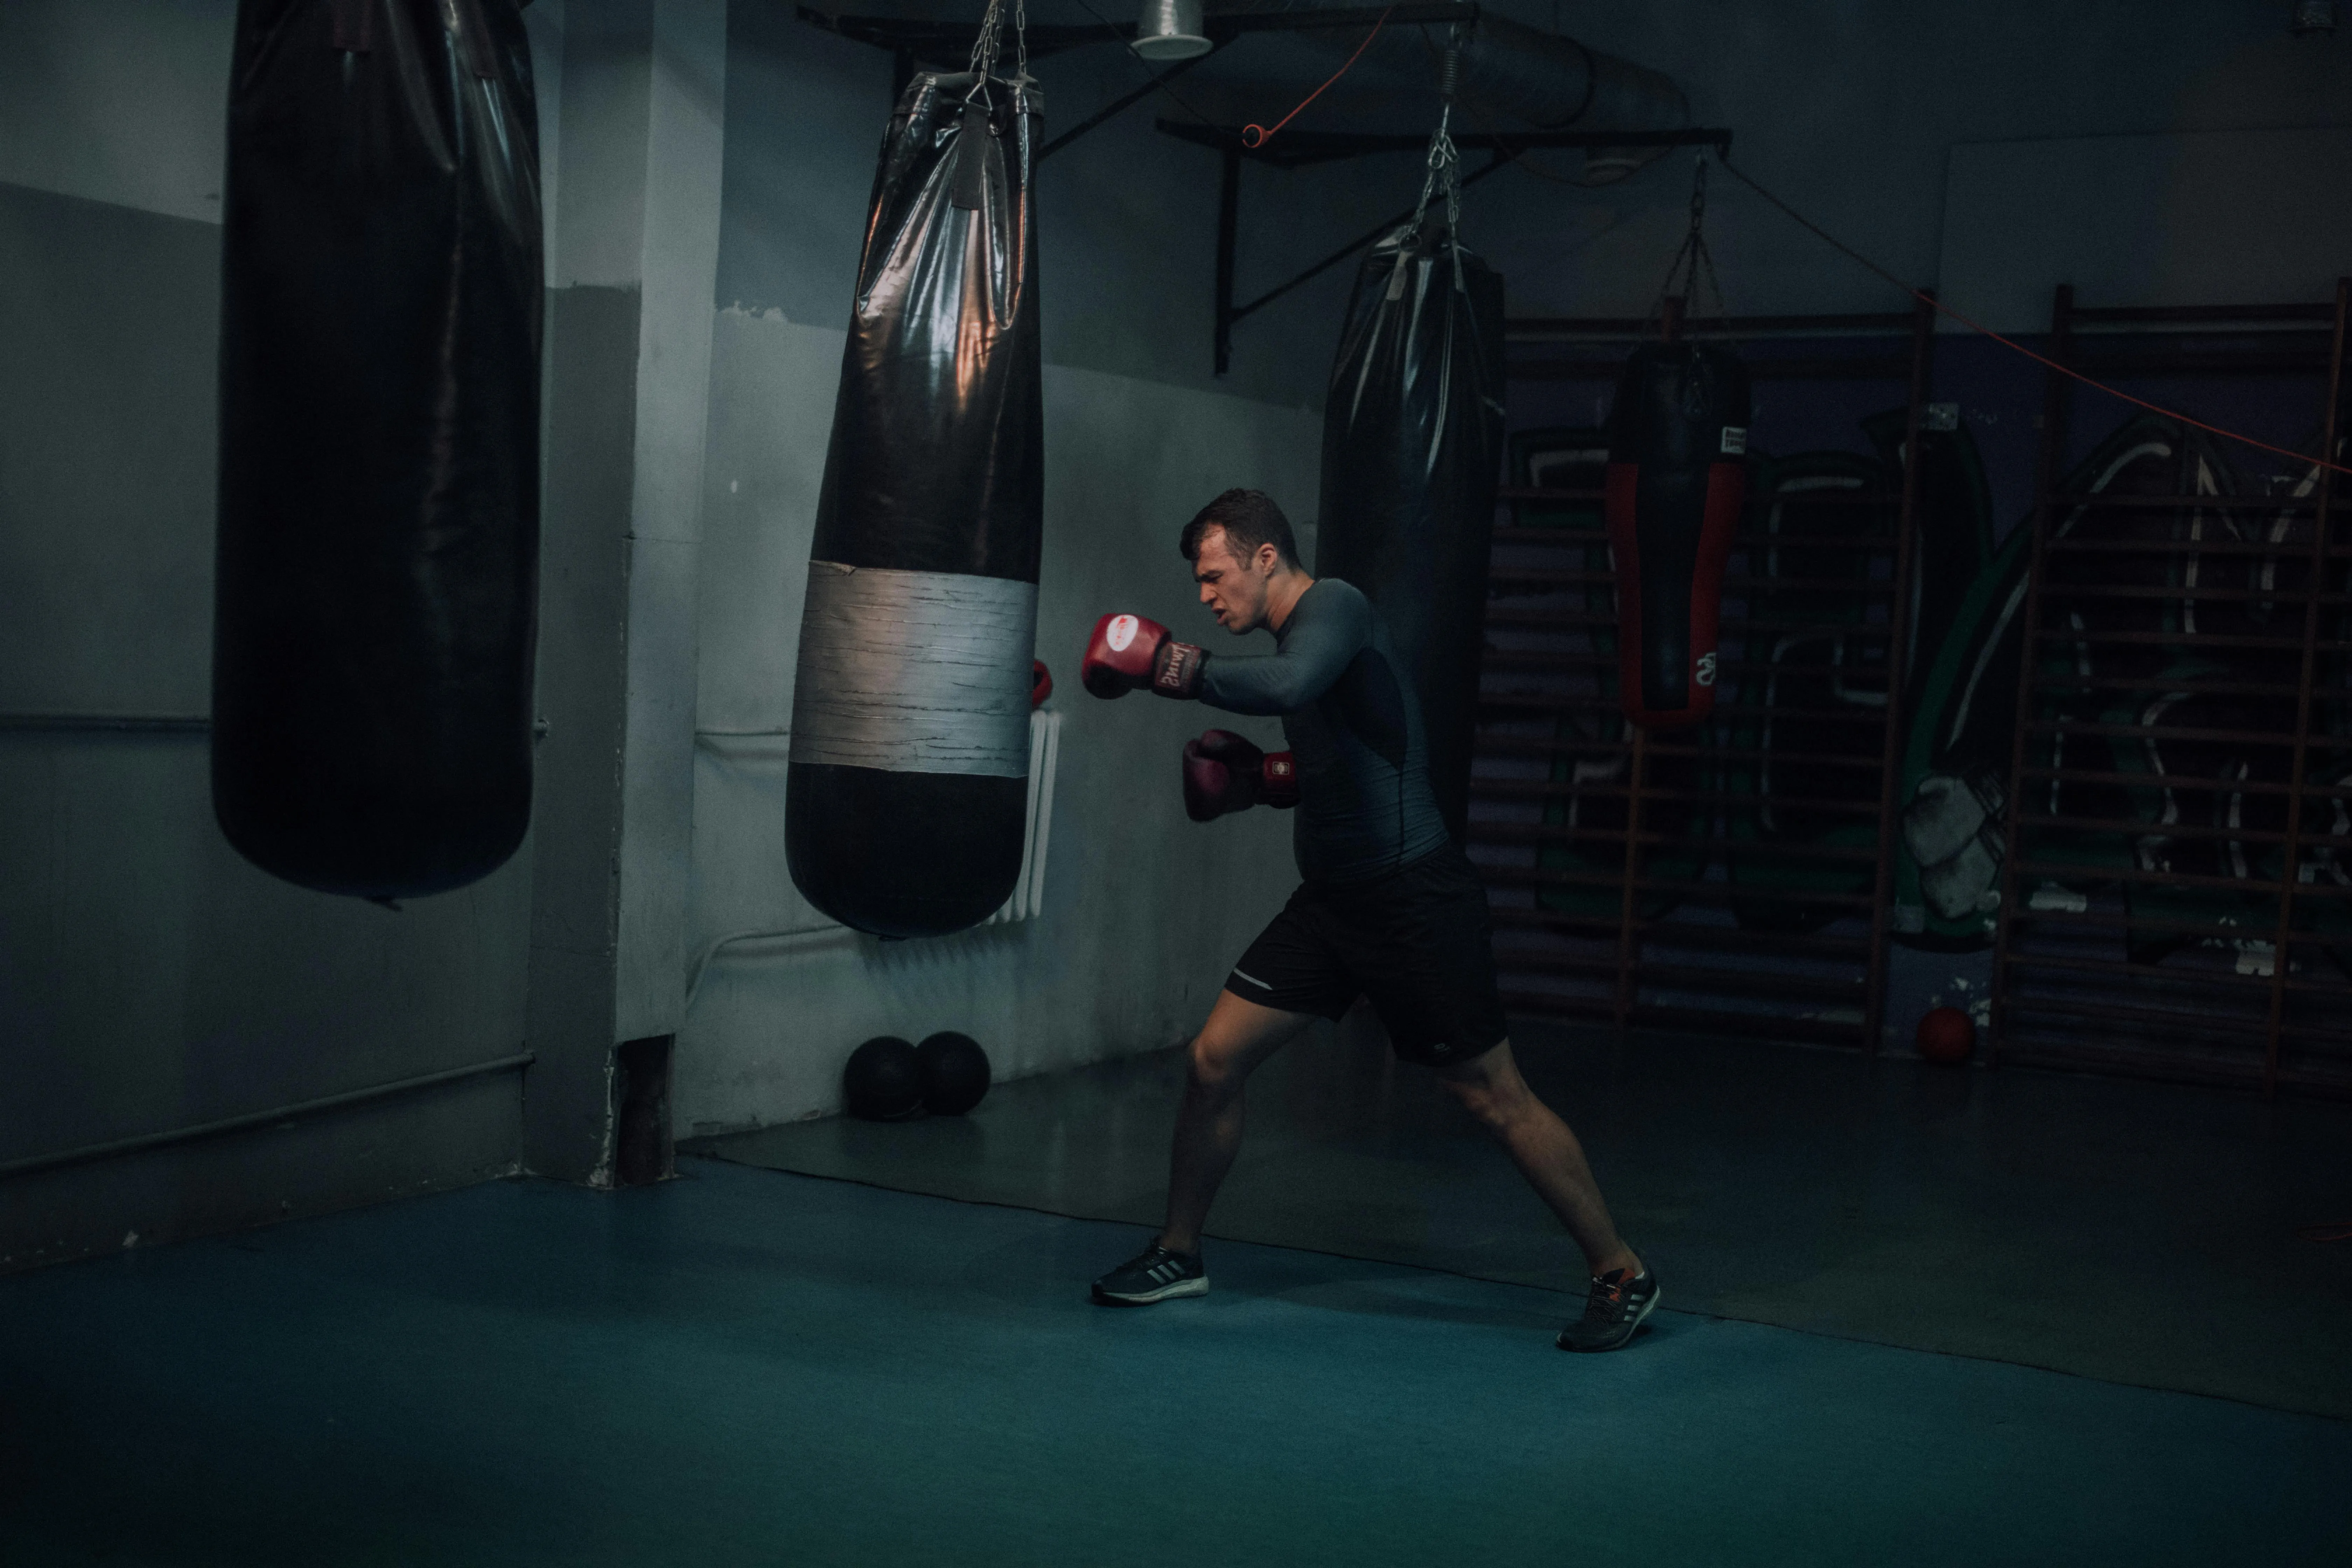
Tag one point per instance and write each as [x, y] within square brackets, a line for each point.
[1128, 652]
[1223, 773]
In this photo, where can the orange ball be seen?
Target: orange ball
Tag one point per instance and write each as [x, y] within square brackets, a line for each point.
[1948, 1037]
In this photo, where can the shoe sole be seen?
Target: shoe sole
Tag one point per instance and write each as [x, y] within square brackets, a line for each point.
[1145, 1299]
[1623, 1340]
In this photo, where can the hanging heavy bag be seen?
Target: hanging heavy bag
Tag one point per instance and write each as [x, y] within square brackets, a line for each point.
[1676, 480]
[1412, 434]
[378, 547]
[909, 781]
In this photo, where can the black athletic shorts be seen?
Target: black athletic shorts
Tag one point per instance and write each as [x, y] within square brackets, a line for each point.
[1418, 941]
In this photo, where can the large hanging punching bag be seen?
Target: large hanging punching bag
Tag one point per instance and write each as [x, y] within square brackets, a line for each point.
[909, 784]
[1676, 480]
[1412, 436]
[378, 547]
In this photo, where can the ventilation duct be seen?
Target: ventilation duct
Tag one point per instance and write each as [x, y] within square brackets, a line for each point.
[1556, 83]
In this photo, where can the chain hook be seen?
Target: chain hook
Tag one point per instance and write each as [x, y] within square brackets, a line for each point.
[1693, 254]
[1443, 163]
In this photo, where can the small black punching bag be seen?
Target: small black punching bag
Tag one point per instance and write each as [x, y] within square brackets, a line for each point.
[378, 551]
[1676, 480]
[908, 786]
[1412, 436]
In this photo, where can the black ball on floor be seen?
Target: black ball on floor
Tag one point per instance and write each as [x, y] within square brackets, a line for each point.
[955, 1072]
[884, 1080]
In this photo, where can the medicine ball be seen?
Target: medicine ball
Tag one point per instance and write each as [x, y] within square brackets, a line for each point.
[884, 1080]
[955, 1072]
[1947, 1037]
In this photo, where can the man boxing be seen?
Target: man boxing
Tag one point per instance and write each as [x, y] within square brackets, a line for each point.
[1388, 907]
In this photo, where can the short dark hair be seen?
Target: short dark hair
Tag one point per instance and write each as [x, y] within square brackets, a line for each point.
[1250, 518]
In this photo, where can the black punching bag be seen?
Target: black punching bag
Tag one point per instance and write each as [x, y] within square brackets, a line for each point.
[1676, 480]
[909, 789]
[378, 550]
[1413, 437]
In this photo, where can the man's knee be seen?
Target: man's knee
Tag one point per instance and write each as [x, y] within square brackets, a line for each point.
[1498, 1103]
[1216, 1067]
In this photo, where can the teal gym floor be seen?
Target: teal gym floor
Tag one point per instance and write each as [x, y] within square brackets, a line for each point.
[2135, 1232]
[752, 1366]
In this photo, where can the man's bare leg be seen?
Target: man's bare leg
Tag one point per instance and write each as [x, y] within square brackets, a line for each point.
[1238, 1036]
[1545, 1150]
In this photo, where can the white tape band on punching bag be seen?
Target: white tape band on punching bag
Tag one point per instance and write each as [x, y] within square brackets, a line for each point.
[914, 672]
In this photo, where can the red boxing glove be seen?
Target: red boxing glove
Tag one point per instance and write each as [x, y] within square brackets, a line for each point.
[1128, 651]
[1225, 773]
[1221, 773]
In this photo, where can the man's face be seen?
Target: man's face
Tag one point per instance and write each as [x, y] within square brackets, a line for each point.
[1233, 590]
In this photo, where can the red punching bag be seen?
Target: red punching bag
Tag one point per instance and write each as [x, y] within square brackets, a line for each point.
[1677, 477]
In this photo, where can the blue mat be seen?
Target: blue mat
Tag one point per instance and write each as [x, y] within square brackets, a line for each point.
[745, 1367]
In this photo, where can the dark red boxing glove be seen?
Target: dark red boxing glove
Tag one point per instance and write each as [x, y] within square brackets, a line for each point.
[1128, 652]
[1225, 773]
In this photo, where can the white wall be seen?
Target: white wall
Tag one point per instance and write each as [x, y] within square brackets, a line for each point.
[1144, 910]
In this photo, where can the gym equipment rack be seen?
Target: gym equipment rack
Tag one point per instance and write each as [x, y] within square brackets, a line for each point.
[2242, 978]
[1701, 945]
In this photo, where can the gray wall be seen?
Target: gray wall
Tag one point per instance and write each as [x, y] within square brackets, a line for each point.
[1127, 217]
[150, 980]
[635, 241]
[1850, 112]
[2182, 219]
[1143, 910]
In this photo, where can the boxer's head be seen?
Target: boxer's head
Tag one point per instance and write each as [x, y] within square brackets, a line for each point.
[1241, 548]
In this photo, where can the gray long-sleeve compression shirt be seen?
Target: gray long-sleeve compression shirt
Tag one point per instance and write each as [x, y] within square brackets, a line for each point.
[1348, 711]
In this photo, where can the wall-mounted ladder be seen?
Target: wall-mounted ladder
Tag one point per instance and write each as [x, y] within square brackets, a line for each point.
[2177, 880]
[1733, 877]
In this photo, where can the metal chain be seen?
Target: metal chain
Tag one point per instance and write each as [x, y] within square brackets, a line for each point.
[1444, 162]
[1692, 251]
[1699, 251]
[984, 45]
[989, 44]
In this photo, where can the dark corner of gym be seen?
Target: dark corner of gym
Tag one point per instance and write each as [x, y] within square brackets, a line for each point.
[1264, 783]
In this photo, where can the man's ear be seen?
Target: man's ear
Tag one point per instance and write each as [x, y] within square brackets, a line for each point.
[1268, 558]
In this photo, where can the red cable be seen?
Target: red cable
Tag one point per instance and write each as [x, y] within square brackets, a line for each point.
[1254, 135]
[2340, 1232]
[2325, 438]
[1923, 295]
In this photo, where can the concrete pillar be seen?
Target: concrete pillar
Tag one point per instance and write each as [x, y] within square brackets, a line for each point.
[633, 245]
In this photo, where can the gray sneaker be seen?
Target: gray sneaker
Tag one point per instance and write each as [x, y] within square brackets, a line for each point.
[1155, 1274]
[1612, 1311]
